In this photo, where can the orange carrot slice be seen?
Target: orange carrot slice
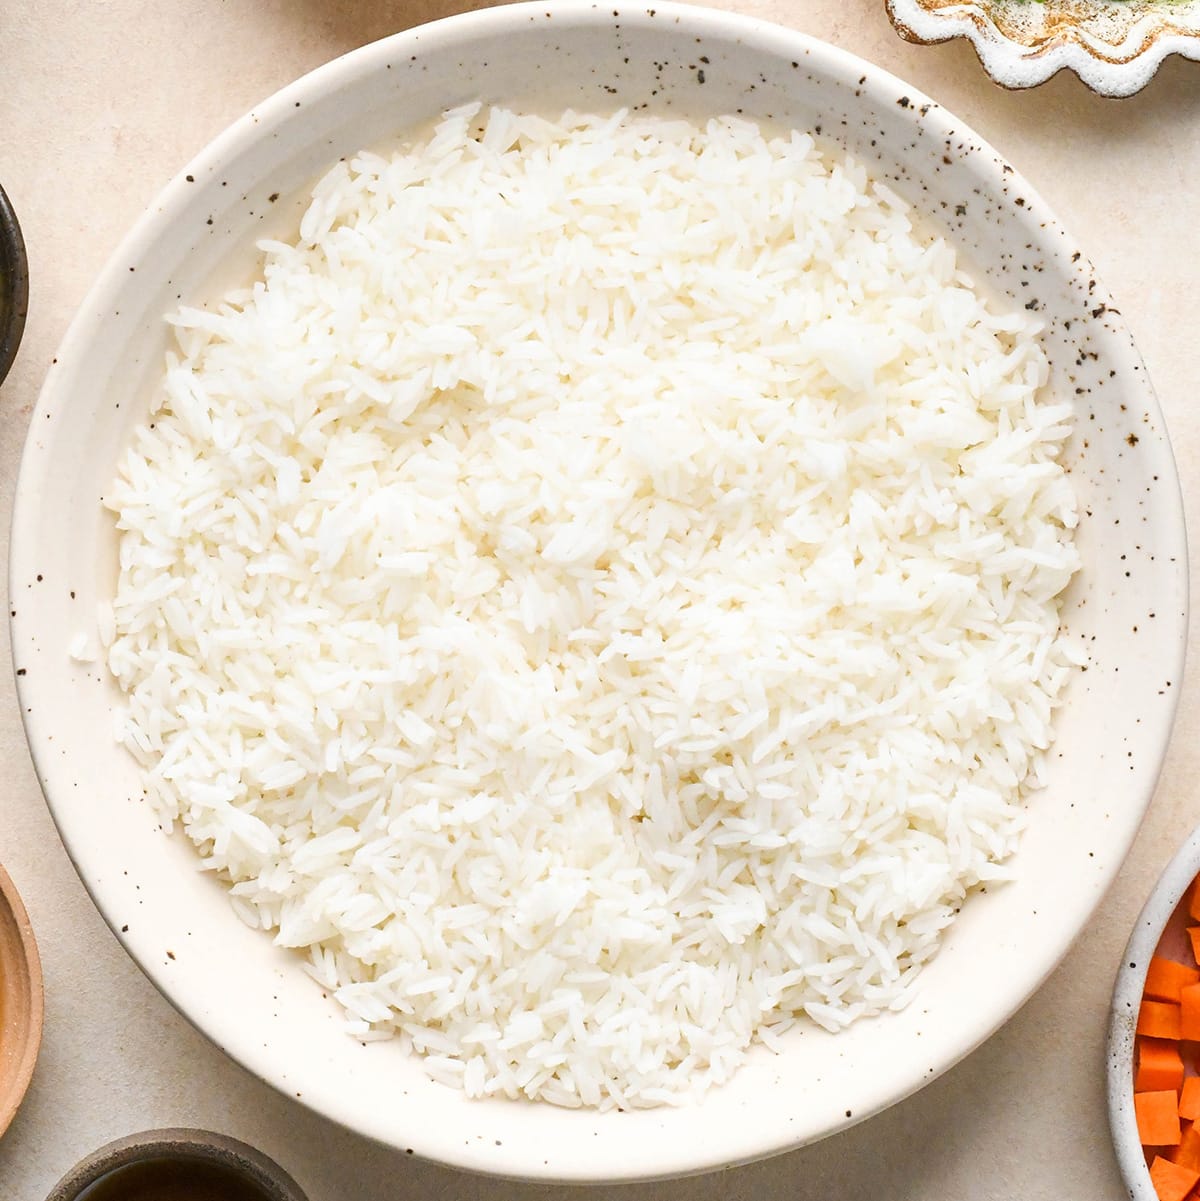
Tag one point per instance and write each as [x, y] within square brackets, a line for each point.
[1157, 1115]
[1171, 1182]
[1189, 1012]
[1160, 1019]
[1194, 937]
[1187, 1154]
[1159, 1066]
[1189, 1100]
[1165, 977]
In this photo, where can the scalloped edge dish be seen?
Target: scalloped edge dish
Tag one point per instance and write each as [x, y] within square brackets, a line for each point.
[1114, 46]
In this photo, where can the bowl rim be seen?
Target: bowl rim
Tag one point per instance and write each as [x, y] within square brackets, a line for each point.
[14, 284]
[1130, 983]
[27, 980]
[181, 1143]
[880, 86]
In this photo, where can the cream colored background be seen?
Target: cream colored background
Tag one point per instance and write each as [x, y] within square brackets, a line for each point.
[101, 102]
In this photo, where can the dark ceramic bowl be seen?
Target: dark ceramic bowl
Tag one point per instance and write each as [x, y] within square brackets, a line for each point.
[14, 285]
[258, 1176]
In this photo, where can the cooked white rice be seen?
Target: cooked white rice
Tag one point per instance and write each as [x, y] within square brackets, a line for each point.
[596, 596]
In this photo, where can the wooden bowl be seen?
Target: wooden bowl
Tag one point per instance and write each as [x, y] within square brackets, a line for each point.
[20, 1000]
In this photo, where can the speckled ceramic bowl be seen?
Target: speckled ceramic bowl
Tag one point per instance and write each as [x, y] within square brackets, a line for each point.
[1160, 926]
[14, 285]
[245, 1174]
[1127, 608]
[20, 1001]
[1114, 46]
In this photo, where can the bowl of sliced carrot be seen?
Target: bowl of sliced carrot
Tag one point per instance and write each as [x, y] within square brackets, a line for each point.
[1154, 1041]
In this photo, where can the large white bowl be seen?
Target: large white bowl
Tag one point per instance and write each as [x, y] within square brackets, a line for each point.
[1129, 603]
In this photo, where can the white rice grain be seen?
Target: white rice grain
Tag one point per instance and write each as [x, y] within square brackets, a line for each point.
[596, 593]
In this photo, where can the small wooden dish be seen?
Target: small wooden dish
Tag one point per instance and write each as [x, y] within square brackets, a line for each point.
[20, 1001]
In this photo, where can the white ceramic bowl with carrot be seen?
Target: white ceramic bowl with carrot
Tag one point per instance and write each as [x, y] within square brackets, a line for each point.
[1154, 1040]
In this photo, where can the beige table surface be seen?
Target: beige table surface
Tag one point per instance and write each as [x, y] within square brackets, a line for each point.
[101, 101]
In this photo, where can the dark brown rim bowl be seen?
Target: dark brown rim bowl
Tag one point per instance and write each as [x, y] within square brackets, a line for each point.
[14, 285]
[197, 1146]
[20, 1001]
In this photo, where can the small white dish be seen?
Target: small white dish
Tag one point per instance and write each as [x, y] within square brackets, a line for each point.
[1160, 926]
[1114, 46]
[253, 998]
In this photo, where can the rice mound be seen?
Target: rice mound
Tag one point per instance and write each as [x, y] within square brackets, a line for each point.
[596, 596]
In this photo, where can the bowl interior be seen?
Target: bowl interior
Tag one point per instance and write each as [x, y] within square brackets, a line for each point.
[20, 1001]
[199, 238]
